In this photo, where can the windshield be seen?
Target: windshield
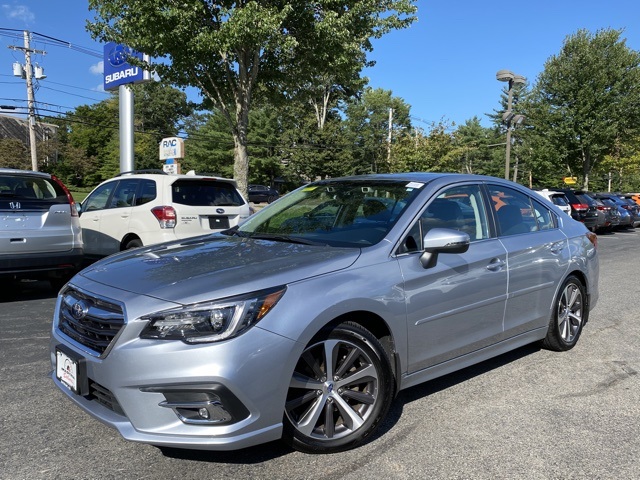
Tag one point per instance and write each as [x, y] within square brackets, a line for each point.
[341, 213]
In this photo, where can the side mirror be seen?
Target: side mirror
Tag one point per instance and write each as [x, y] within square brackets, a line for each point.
[79, 208]
[442, 240]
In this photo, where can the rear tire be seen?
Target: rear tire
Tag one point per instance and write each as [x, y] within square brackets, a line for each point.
[342, 386]
[133, 243]
[570, 313]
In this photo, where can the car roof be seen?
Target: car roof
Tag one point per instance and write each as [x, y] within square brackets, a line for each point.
[423, 177]
[550, 192]
[15, 171]
[159, 175]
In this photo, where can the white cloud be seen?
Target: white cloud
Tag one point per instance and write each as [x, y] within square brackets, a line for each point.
[98, 68]
[99, 88]
[18, 12]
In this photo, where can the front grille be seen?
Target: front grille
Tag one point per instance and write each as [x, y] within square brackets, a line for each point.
[90, 321]
[104, 397]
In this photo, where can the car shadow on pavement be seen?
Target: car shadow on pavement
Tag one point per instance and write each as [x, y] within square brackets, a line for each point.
[272, 450]
[18, 291]
[247, 456]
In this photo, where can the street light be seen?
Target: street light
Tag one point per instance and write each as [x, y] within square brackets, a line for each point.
[509, 117]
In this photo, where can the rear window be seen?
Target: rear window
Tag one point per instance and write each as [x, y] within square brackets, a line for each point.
[30, 191]
[206, 193]
[586, 199]
[559, 200]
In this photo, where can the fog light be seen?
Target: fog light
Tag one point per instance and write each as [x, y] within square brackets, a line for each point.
[201, 404]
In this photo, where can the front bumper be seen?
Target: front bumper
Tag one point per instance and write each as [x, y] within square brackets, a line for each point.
[148, 383]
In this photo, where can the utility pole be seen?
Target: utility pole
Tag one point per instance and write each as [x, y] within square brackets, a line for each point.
[28, 70]
[389, 136]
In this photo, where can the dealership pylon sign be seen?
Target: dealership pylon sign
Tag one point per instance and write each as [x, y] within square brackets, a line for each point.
[117, 69]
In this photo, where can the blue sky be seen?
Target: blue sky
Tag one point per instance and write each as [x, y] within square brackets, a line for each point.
[443, 66]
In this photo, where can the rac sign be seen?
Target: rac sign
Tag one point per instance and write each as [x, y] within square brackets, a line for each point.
[171, 147]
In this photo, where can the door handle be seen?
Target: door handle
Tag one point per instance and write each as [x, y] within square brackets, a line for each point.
[495, 265]
[557, 247]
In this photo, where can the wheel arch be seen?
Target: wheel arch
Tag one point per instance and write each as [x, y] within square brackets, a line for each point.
[379, 329]
[127, 238]
[585, 283]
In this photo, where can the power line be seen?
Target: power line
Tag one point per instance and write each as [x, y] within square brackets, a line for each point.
[68, 93]
[54, 42]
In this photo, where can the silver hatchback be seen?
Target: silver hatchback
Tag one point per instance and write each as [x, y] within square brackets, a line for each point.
[303, 322]
[40, 234]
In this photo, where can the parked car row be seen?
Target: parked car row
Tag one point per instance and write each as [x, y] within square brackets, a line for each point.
[44, 233]
[600, 212]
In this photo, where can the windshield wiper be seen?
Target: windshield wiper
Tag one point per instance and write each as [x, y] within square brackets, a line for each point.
[234, 231]
[284, 238]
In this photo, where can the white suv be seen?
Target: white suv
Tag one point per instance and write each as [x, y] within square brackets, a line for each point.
[135, 209]
[558, 198]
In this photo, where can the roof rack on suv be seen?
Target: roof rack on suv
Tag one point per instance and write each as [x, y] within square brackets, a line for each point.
[148, 170]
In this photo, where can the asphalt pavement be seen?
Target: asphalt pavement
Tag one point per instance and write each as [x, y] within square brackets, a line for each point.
[529, 414]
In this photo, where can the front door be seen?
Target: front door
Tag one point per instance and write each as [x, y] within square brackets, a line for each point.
[457, 306]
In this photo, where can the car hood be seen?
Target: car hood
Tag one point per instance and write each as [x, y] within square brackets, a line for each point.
[215, 266]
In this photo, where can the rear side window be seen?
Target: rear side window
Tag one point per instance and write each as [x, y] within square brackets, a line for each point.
[147, 192]
[518, 213]
[205, 193]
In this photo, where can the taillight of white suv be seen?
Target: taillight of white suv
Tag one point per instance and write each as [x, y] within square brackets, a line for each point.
[165, 215]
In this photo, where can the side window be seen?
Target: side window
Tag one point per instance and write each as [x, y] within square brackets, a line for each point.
[147, 192]
[124, 195]
[460, 208]
[545, 219]
[98, 199]
[516, 212]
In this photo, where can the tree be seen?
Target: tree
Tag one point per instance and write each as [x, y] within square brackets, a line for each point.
[14, 154]
[231, 50]
[370, 120]
[586, 99]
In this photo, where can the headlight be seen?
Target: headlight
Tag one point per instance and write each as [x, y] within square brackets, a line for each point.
[211, 321]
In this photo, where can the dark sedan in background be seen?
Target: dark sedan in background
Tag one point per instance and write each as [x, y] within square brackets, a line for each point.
[262, 193]
[582, 211]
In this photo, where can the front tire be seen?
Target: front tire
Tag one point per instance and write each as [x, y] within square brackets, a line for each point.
[342, 386]
[569, 315]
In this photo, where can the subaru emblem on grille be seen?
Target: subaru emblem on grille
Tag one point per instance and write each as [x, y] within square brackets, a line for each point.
[79, 310]
[219, 210]
[15, 205]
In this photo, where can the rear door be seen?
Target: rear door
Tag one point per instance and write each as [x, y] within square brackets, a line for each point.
[537, 257]
[205, 205]
[35, 216]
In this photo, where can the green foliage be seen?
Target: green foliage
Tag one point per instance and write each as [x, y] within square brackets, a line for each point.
[368, 128]
[233, 50]
[14, 154]
[209, 145]
[587, 98]
[88, 144]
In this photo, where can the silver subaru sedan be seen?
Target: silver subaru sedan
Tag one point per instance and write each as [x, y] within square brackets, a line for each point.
[305, 321]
